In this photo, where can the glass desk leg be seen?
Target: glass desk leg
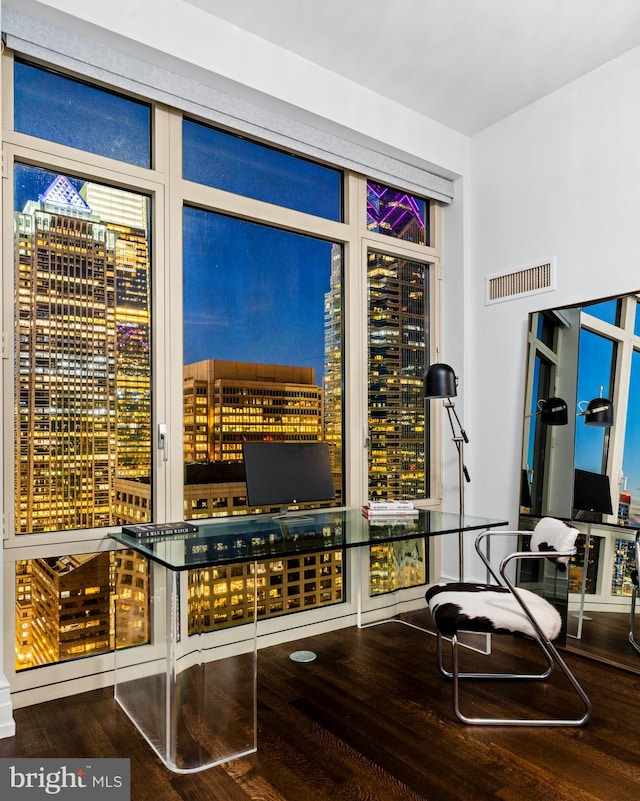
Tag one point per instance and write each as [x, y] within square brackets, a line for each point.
[191, 692]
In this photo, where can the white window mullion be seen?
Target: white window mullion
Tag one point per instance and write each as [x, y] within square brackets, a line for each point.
[620, 399]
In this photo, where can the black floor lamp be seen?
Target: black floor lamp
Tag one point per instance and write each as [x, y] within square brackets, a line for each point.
[440, 382]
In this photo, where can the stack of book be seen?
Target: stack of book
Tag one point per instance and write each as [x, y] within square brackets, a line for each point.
[381, 509]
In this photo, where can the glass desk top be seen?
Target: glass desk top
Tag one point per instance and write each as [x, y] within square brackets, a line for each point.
[247, 538]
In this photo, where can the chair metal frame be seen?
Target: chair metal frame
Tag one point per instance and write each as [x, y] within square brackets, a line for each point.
[634, 596]
[548, 649]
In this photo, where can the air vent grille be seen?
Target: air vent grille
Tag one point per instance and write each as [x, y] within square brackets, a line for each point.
[527, 281]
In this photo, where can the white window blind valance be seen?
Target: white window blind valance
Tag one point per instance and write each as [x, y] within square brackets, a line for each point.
[65, 49]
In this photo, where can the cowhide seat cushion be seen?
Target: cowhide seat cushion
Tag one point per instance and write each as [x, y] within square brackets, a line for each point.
[489, 608]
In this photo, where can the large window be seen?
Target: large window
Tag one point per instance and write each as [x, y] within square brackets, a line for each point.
[223, 288]
[71, 112]
[256, 365]
[81, 290]
[596, 362]
[220, 159]
[82, 352]
[398, 307]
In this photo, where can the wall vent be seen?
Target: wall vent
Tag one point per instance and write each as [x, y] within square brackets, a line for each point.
[527, 281]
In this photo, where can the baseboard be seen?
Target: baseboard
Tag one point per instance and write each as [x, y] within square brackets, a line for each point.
[7, 723]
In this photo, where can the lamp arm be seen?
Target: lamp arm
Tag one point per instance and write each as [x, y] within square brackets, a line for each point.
[458, 438]
[452, 410]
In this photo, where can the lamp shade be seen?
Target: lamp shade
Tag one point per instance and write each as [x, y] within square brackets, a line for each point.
[553, 412]
[440, 382]
[599, 412]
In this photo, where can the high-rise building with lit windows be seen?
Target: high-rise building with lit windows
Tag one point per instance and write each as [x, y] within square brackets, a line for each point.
[227, 403]
[82, 357]
[63, 605]
[126, 215]
[397, 291]
[333, 359]
[71, 600]
[396, 344]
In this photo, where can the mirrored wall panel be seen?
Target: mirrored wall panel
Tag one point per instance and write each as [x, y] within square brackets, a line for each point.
[581, 463]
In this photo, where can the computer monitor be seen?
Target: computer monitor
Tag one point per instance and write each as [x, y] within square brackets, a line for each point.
[285, 473]
[592, 492]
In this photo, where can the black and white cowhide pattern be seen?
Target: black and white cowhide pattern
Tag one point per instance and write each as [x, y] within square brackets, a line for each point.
[489, 608]
[551, 534]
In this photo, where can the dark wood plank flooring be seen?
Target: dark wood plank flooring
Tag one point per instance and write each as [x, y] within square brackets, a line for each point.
[371, 720]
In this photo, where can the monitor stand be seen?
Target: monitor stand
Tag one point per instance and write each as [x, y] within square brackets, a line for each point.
[285, 516]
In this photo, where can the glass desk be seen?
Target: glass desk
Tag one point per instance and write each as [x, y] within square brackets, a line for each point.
[193, 696]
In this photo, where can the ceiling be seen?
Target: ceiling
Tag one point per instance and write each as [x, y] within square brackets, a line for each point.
[464, 63]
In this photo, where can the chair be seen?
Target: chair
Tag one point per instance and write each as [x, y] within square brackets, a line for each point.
[634, 595]
[503, 608]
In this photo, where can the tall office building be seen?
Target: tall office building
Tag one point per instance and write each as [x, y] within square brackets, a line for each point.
[397, 331]
[71, 604]
[396, 343]
[63, 606]
[126, 215]
[333, 361]
[225, 596]
[82, 359]
[227, 403]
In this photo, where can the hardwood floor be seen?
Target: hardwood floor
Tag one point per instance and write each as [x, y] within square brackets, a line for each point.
[371, 720]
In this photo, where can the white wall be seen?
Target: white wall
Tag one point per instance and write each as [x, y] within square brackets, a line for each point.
[557, 179]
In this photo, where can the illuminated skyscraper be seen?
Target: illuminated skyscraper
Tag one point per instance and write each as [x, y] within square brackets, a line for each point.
[397, 308]
[65, 357]
[82, 359]
[125, 214]
[63, 605]
[71, 600]
[397, 330]
[333, 360]
[227, 403]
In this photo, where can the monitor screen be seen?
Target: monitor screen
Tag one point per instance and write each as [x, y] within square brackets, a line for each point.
[591, 492]
[283, 473]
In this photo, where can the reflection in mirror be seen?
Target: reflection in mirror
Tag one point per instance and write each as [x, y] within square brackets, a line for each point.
[581, 463]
